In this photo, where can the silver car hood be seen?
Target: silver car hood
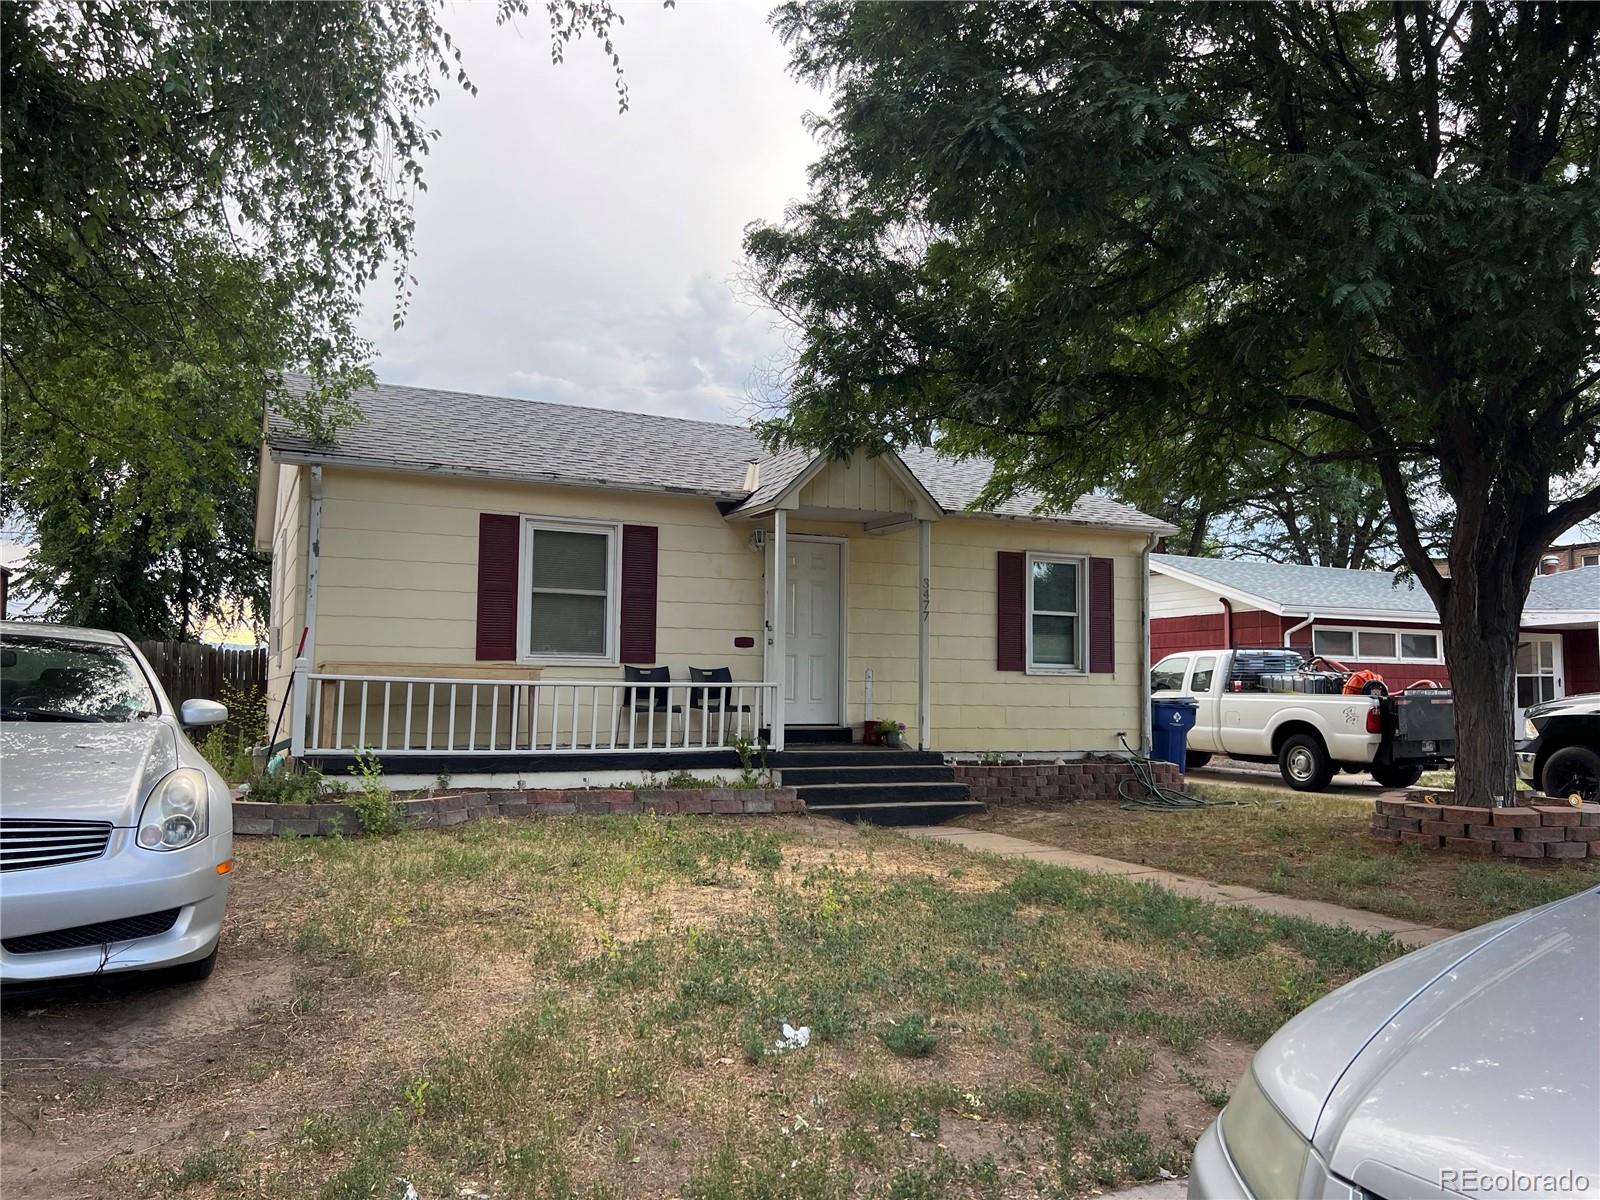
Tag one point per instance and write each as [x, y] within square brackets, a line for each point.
[1301, 1063]
[83, 772]
[1493, 1066]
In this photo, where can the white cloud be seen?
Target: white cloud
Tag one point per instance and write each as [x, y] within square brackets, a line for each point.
[569, 253]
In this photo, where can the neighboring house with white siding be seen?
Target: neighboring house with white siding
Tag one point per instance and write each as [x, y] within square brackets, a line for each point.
[475, 578]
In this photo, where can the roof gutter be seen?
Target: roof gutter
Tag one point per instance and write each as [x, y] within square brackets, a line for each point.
[315, 458]
[363, 463]
[1162, 530]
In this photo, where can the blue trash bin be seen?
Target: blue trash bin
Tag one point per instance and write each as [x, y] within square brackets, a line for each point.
[1171, 718]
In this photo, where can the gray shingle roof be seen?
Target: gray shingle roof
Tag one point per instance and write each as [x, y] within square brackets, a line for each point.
[1301, 588]
[956, 483]
[421, 428]
[1566, 591]
[529, 439]
[1291, 585]
[778, 471]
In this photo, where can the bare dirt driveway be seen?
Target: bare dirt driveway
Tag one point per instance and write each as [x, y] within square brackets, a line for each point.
[99, 1072]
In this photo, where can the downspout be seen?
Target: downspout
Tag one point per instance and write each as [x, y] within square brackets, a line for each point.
[1292, 630]
[1227, 622]
[1145, 733]
[299, 684]
[313, 561]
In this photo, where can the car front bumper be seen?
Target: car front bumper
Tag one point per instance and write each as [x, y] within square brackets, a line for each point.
[1527, 756]
[1525, 766]
[126, 881]
[1211, 1174]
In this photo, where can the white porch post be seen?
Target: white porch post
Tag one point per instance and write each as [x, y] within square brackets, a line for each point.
[780, 621]
[297, 709]
[924, 599]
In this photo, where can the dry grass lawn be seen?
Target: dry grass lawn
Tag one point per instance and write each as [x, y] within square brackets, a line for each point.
[590, 1008]
[1313, 847]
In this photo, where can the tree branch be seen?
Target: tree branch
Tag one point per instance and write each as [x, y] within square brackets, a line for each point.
[1394, 486]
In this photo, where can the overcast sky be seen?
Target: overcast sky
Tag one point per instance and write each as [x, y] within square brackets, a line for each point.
[569, 253]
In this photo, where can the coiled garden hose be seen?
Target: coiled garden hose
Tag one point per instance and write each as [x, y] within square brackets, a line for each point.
[1140, 789]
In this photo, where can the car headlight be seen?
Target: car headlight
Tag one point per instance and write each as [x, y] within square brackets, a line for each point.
[177, 812]
[1270, 1155]
[1529, 729]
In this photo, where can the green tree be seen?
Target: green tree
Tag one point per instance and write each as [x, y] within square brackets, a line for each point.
[195, 196]
[1066, 235]
[1257, 501]
[135, 468]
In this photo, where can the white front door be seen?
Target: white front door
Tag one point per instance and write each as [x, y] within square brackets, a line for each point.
[1538, 674]
[811, 664]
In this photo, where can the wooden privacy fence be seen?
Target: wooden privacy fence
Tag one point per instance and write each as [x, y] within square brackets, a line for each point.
[190, 670]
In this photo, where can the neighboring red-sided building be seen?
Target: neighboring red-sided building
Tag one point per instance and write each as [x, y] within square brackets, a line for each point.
[1370, 620]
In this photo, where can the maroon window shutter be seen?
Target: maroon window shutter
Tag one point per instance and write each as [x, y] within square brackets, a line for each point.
[1010, 611]
[1102, 616]
[639, 545]
[497, 586]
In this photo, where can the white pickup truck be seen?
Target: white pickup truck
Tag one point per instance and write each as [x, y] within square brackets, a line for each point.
[1269, 706]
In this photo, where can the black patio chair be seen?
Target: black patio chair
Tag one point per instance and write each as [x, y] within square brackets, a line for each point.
[643, 701]
[713, 702]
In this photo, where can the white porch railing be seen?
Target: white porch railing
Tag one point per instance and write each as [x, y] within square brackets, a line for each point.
[396, 714]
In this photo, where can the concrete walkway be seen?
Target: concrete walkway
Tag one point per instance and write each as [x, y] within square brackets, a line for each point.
[1407, 933]
[1168, 1189]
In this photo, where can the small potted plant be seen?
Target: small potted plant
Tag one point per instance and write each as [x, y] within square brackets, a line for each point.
[891, 733]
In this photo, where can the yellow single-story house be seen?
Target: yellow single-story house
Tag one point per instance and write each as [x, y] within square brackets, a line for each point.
[466, 583]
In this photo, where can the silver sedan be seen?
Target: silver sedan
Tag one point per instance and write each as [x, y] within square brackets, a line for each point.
[116, 836]
[1470, 1068]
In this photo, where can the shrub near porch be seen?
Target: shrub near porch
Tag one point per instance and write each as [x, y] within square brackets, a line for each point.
[591, 1006]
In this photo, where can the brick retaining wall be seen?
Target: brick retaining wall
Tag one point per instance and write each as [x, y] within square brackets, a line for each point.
[1524, 831]
[330, 819]
[1055, 783]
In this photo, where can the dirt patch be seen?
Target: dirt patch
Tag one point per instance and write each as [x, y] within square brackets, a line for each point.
[90, 1069]
[1177, 1095]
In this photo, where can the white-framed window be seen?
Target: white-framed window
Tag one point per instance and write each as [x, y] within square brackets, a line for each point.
[1420, 647]
[1057, 611]
[568, 603]
[1376, 645]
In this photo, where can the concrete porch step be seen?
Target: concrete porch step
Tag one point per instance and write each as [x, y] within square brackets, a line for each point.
[901, 812]
[851, 756]
[799, 776]
[812, 735]
[871, 794]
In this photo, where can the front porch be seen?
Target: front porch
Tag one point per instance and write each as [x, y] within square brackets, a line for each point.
[793, 680]
[421, 718]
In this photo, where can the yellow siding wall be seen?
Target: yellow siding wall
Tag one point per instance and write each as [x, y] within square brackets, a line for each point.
[288, 607]
[976, 706]
[398, 584]
[399, 570]
[859, 483]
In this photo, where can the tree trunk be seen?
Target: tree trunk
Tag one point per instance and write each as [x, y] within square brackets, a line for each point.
[1482, 658]
[1481, 619]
